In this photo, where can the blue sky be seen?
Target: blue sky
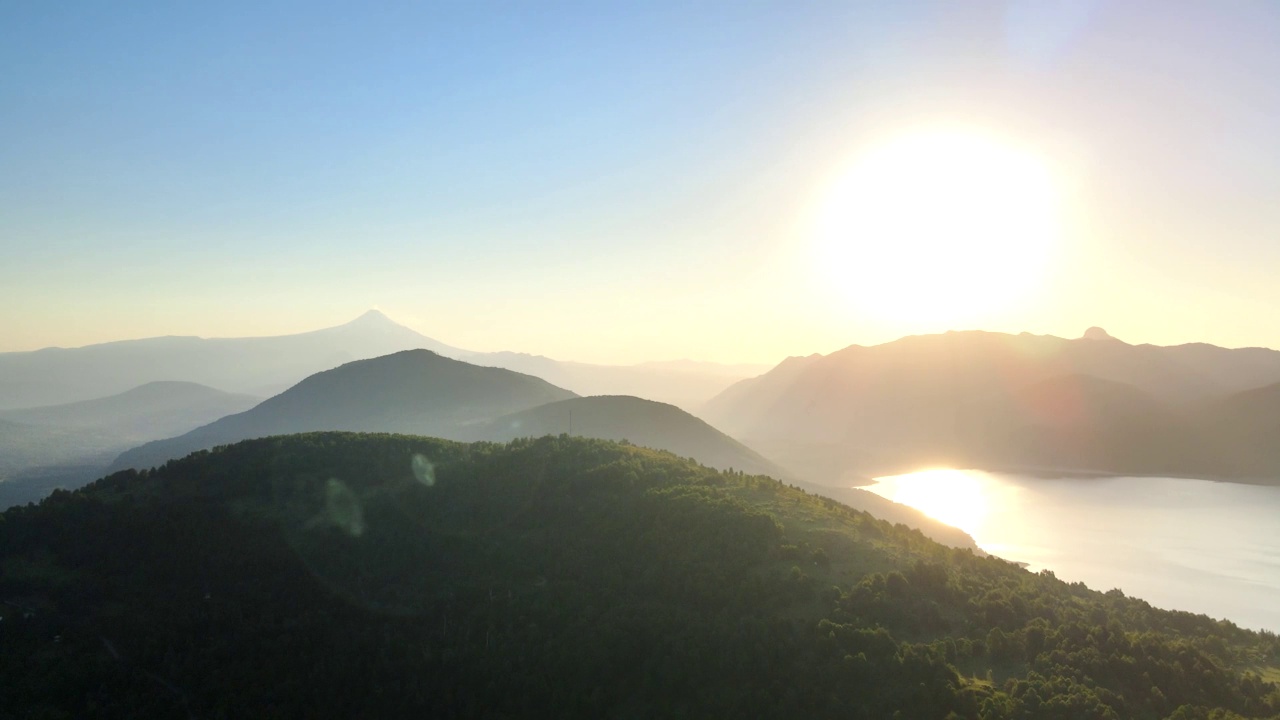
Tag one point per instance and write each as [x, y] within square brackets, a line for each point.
[608, 181]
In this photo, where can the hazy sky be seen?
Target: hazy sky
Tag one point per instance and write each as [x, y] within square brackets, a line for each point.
[611, 182]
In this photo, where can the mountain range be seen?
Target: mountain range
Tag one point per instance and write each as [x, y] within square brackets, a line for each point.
[983, 400]
[264, 366]
[153, 410]
[95, 431]
[1019, 402]
[422, 393]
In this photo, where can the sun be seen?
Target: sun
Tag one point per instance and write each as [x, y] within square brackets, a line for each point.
[938, 227]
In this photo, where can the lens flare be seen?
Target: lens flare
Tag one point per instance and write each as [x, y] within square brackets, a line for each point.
[343, 508]
[423, 470]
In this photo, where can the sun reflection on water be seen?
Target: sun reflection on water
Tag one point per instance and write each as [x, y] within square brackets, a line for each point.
[955, 497]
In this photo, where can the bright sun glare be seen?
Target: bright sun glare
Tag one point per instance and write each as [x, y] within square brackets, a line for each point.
[938, 227]
[952, 496]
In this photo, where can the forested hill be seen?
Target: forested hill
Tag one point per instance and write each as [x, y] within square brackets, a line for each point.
[342, 575]
[414, 391]
[667, 427]
[620, 417]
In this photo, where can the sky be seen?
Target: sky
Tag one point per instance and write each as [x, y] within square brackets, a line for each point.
[619, 182]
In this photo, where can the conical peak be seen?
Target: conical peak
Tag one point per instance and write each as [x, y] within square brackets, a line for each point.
[373, 317]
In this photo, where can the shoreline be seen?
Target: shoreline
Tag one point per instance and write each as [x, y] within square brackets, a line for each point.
[1067, 473]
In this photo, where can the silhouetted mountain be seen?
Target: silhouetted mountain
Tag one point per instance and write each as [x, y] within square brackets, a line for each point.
[1229, 370]
[267, 365]
[757, 395]
[255, 365]
[988, 400]
[148, 412]
[1244, 429]
[1080, 422]
[414, 391]
[340, 575]
[642, 422]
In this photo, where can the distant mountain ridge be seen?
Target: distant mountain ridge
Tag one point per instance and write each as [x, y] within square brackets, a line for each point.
[156, 409]
[1244, 430]
[267, 365]
[993, 401]
[67, 445]
[685, 383]
[256, 365]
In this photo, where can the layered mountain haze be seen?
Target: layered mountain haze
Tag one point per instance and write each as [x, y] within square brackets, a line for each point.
[993, 401]
[423, 393]
[94, 431]
[24, 446]
[256, 365]
[267, 365]
[413, 391]
[1244, 429]
[684, 383]
[629, 360]
[1080, 423]
[68, 445]
[154, 410]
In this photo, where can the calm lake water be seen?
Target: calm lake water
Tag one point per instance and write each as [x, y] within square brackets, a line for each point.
[1195, 545]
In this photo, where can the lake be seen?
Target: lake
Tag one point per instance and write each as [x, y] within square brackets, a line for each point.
[1196, 545]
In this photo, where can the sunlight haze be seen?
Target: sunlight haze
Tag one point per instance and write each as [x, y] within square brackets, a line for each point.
[619, 183]
[665, 359]
[939, 228]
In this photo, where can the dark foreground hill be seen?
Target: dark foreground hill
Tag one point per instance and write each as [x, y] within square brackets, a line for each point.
[337, 575]
[414, 391]
[666, 427]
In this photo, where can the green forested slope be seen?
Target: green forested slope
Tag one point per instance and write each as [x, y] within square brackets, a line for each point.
[342, 575]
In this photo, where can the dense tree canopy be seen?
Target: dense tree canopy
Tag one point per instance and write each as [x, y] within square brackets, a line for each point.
[343, 575]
